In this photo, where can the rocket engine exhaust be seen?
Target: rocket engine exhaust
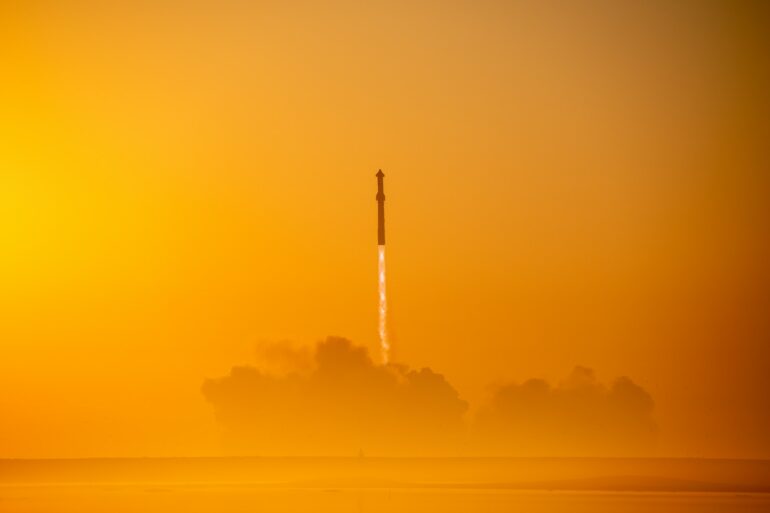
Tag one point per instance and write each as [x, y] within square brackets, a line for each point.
[383, 306]
[383, 297]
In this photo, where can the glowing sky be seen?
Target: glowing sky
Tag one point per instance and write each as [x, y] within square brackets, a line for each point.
[568, 183]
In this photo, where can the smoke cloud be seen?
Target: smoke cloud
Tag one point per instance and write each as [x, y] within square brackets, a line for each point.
[578, 417]
[334, 400]
[344, 405]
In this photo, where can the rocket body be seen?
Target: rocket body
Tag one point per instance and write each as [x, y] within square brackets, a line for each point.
[380, 208]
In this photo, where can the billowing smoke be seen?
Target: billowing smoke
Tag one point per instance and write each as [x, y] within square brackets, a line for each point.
[578, 417]
[383, 305]
[346, 403]
[332, 399]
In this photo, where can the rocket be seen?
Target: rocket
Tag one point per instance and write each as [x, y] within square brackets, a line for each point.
[380, 208]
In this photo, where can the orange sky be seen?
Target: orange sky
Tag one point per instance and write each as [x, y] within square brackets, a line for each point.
[581, 183]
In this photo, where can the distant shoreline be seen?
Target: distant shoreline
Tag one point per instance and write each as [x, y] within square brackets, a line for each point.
[664, 475]
[386, 458]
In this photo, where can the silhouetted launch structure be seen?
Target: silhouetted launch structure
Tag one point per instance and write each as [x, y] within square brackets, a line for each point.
[383, 299]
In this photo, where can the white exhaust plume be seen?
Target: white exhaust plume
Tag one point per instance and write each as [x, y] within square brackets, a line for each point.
[383, 325]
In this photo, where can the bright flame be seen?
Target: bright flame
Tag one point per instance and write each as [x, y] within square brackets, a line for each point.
[384, 345]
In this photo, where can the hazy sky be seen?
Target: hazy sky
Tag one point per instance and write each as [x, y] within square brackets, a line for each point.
[568, 183]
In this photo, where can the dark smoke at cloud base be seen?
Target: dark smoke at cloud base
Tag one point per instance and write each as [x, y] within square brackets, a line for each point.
[335, 401]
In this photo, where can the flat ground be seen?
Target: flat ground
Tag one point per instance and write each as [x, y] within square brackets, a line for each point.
[384, 484]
